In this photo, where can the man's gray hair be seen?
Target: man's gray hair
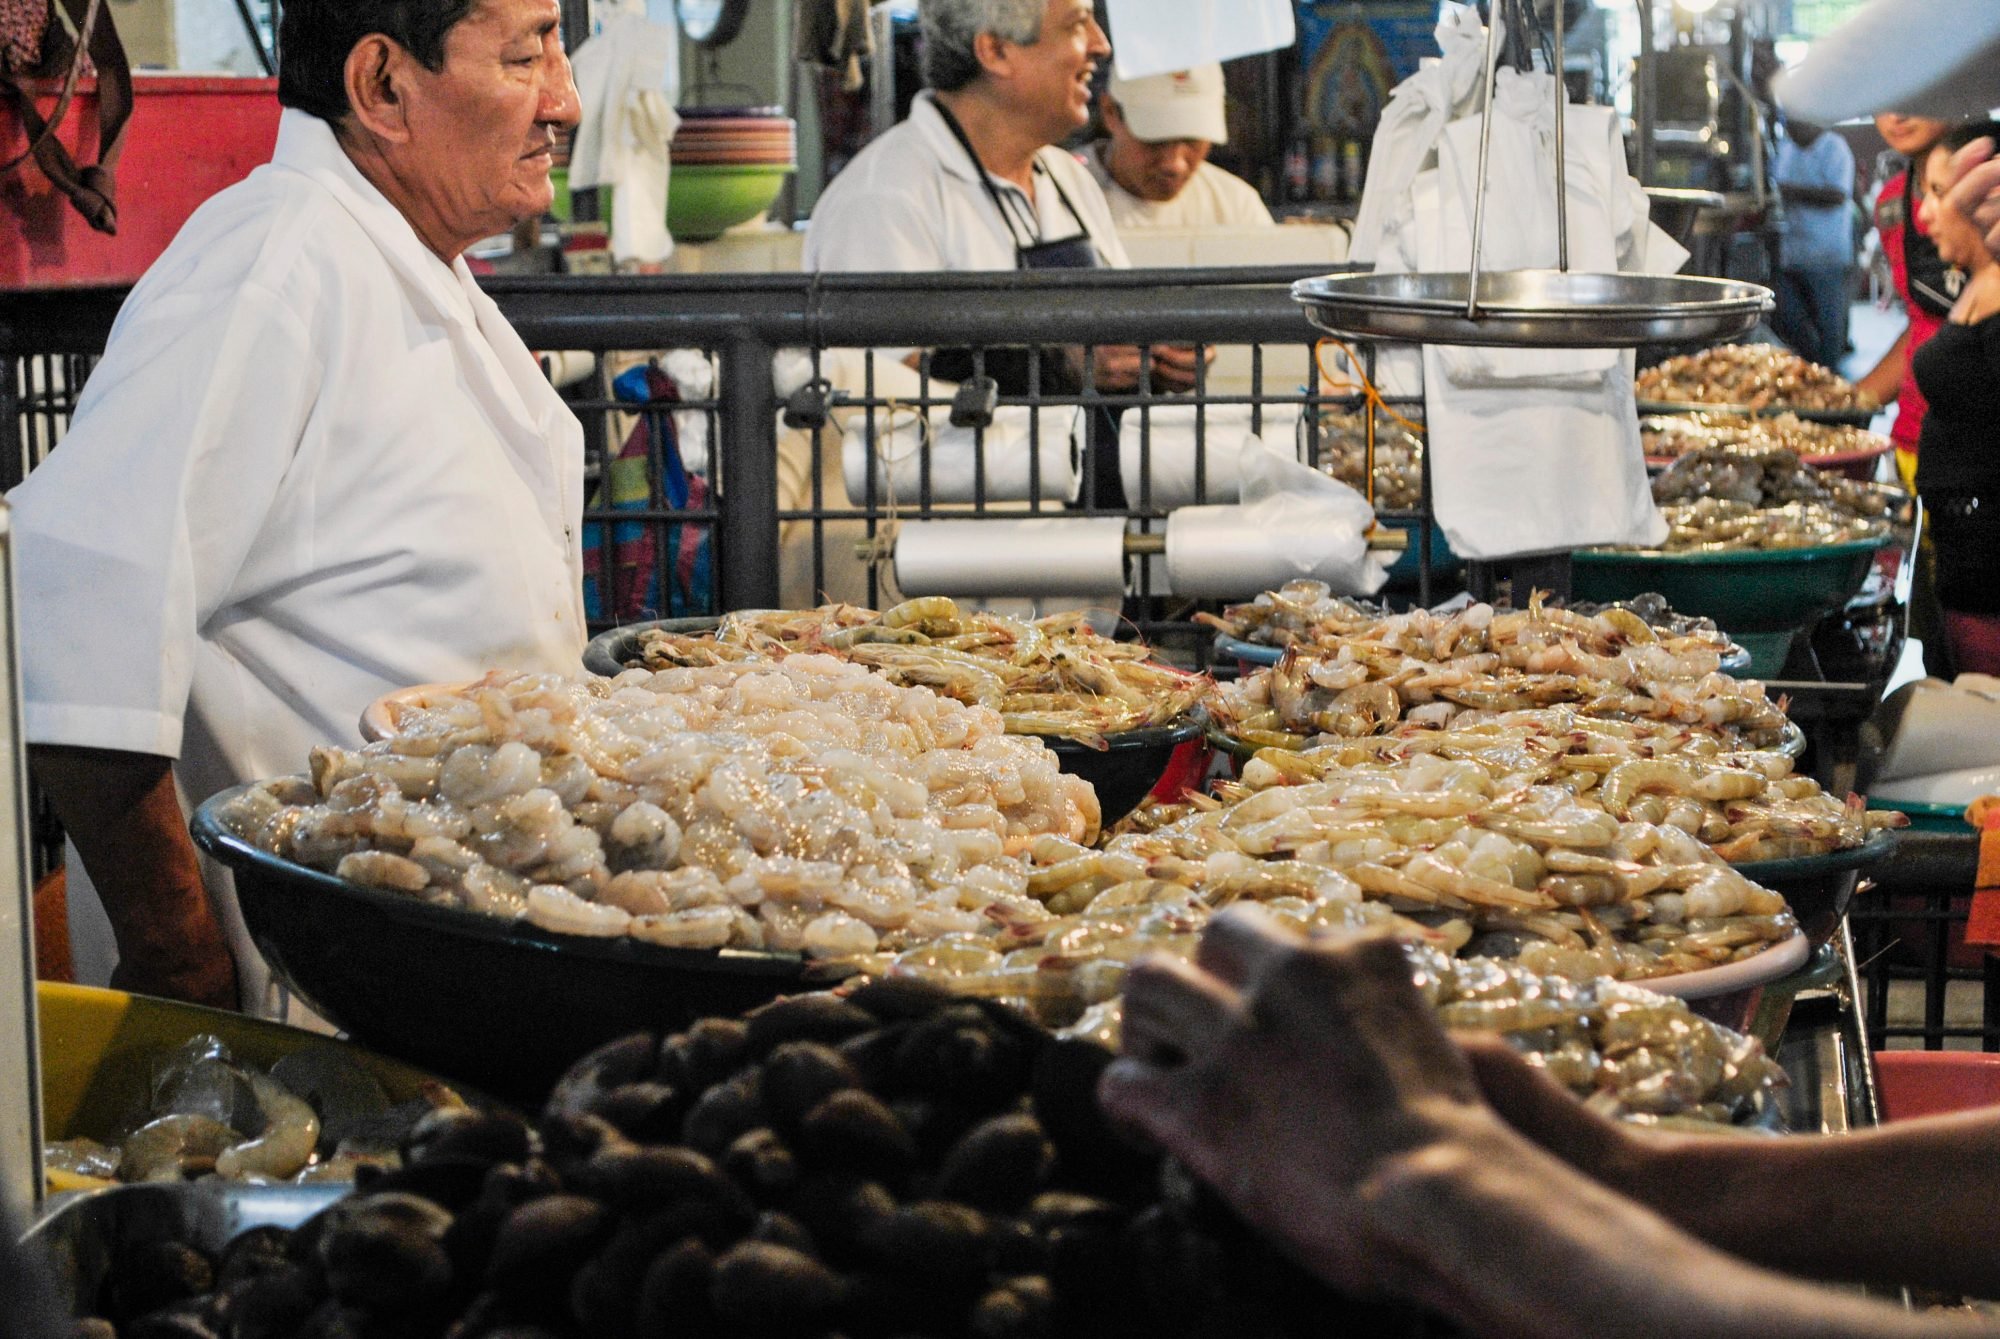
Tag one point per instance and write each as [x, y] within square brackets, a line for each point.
[950, 26]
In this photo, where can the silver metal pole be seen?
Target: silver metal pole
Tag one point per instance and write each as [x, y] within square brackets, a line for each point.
[1562, 167]
[20, 1047]
[1485, 138]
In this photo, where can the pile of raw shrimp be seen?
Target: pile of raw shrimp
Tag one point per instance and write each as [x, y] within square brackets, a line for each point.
[1055, 676]
[1754, 376]
[1672, 435]
[1367, 673]
[1629, 1053]
[804, 805]
[1718, 498]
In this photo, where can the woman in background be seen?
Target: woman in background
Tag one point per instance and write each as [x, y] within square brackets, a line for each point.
[1927, 287]
[1958, 455]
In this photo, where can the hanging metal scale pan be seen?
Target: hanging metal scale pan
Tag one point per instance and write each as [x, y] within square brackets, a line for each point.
[1558, 309]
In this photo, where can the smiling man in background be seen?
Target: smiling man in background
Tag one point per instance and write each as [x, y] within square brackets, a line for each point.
[1154, 166]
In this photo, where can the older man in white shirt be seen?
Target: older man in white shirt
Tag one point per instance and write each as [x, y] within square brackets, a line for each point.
[315, 464]
[1153, 165]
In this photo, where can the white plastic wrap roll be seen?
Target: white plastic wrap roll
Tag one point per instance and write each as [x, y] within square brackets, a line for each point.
[899, 441]
[1080, 558]
[1296, 522]
[1169, 458]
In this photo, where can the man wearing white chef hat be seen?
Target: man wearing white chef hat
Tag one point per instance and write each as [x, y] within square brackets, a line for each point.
[314, 465]
[1154, 164]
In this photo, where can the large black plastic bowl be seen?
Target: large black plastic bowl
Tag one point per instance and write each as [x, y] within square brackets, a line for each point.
[501, 1005]
[1819, 887]
[1126, 771]
[612, 652]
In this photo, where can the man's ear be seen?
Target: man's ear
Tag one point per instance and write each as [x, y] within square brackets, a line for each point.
[377, 80]
[994, 54]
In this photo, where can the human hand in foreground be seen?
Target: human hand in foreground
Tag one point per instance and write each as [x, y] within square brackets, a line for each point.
[1311, 1086]
[1288, 1076]
[1173, 366]
[1975, 188]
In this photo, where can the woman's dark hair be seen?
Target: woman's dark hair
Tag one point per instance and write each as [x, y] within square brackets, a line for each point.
[316, 36]
[1958, 137]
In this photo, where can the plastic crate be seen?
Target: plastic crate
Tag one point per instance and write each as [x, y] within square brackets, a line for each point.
[1929, 1083]
[189, 137]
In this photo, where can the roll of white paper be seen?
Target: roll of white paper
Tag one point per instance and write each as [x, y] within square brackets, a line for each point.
[1234, 552]
[1071, 558]
[959, 461]
[1162, 476]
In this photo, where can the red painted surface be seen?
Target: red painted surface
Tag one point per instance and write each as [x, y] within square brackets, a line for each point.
[189, 137]
[1928, 1083]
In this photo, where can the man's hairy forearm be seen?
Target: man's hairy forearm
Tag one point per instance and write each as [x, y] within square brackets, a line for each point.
[122, 813]
[1909, 1203]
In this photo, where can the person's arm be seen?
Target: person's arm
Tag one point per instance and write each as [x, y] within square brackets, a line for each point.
[1313, 1089]
[121, 811]
[1811, 195]
[1909, 1203]
[1885, 380]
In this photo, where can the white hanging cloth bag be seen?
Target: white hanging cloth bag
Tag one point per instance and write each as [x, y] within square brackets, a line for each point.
[1534, 450]
[627, 78]
[1161, 36]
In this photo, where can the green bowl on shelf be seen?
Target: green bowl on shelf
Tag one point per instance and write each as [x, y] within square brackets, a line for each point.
[704, 201]
[560, 206]
[1744, 591]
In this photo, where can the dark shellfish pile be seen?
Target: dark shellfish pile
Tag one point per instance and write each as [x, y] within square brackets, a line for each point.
[898, 1162]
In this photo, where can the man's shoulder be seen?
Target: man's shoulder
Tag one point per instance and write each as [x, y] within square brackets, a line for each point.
[277, 234]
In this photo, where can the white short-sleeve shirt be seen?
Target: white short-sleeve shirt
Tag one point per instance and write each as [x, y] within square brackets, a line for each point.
[912, 201]
[314, 465]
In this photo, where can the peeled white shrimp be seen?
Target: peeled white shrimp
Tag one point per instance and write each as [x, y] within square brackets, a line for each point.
[284, 1145]
[556, 908]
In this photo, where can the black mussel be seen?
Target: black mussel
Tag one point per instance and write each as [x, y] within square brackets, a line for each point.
[873, 1054]
[944, 1246]
[1017, 1247]
[957, 1054]
[91, 1327]
[570, 1137]
[653, 1177]
[1094, 1156]
[189, 1318]
[820, 1017]
[896, 999]
[725, 1112]
[839, 1208]
[461, 1132]
[854, 1131]
[386, 1252]
[762, 1164]
[616, 1063]
[763, 1288]
[1054, 1209]
[1021, 1308]
[452, 1182]
[674, 1294]
[249, 1254]
[604, 1298]
[648, 1112]
[705, 1054]
[799, 1075]
[999, 1164]
[935, 1125]
[149, 1275]
[542, 1244]
[1181, 1271]
[781, 1229]
[274, 1303]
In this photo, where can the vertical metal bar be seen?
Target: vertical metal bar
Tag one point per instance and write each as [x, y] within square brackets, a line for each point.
[14, 459]
[1871, 1097]
[1485, 139]
[20, 1046]
[747, 524]
[1562, 166]
[1644, 111]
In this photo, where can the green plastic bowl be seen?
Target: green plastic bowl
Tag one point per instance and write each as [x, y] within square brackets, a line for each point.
[704, 201]
[1747, 591]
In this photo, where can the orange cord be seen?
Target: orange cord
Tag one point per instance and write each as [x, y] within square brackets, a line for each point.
[1372, 397]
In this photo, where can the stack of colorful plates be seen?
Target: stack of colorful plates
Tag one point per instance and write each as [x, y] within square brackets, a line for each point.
[735, 137]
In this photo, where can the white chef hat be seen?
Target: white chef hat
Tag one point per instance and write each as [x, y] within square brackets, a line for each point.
[1187, 104]
[1936, 58]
